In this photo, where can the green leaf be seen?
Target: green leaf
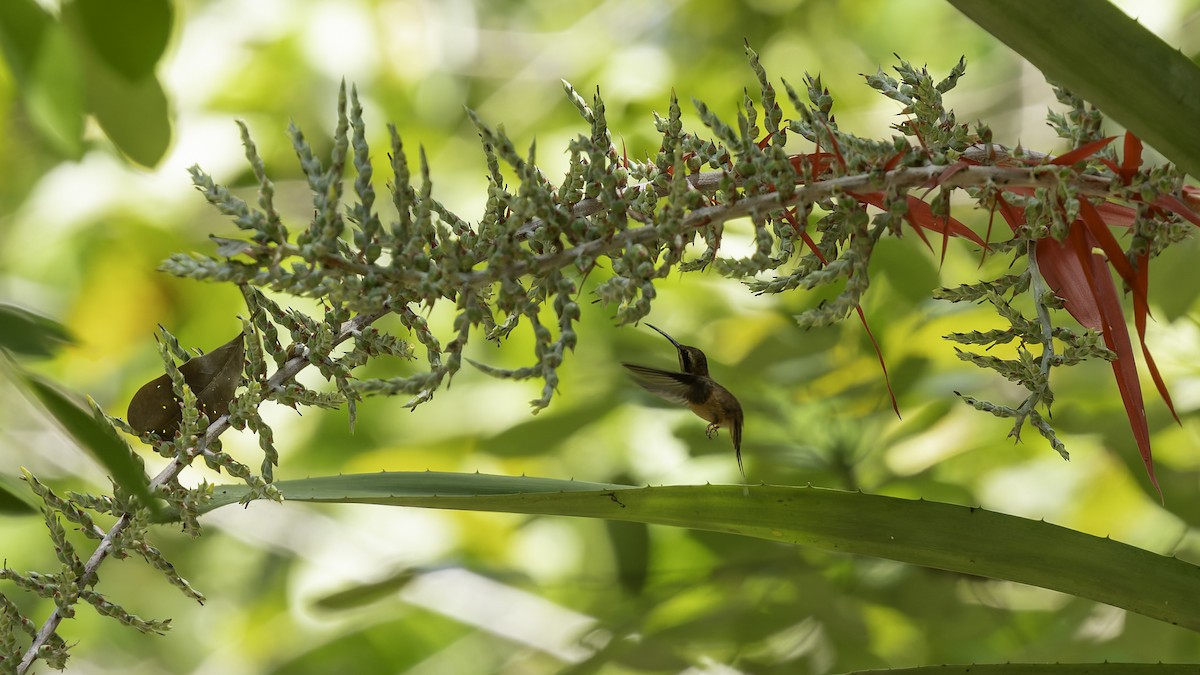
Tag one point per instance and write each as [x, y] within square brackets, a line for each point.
[23, 25]
[1109, 59]
[907, 266]
[1175, 281]
[530, 437]
[45, 63]
[213, 378]
[431, 484]
[24, 332]
[97, 437]
[129, 35]
[119, 44]
[133, 113]
[365, 594]
[15, 498]
[931, 534]
[631, 552]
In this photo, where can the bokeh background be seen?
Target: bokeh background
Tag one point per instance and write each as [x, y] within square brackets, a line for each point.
[84, 223]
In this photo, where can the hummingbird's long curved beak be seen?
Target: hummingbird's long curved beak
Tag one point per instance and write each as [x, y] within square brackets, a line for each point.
[677, 345]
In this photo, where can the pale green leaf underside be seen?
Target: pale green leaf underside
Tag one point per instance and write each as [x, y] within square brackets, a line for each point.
[931, 534]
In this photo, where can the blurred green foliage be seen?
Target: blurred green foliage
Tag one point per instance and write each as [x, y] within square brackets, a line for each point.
[91, 58]
[82, 230]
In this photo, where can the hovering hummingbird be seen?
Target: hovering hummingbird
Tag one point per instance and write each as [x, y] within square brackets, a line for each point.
[694, 388]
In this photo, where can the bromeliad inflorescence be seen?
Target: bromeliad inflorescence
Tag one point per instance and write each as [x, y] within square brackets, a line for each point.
[816, 217]
[816, 213]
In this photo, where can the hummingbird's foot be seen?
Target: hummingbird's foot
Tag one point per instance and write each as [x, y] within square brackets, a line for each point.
[711, 432]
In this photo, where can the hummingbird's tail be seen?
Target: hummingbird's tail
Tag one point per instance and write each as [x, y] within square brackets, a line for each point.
[735, 433]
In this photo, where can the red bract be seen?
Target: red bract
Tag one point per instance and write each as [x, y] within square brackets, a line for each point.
[1176, 206]
[1071, 268]
[920, 216]
[819, 161]
[1132, 159]
[1136, 280]
[1082, 152]
[812, 246]
[1083, 280]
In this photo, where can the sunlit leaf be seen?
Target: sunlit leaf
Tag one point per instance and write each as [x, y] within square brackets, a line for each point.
[943, 536]
[213, 377]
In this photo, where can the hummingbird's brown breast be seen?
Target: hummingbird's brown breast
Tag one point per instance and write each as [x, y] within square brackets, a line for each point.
[694, 388]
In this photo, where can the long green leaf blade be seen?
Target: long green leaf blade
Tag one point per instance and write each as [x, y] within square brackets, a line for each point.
[97, 438]
[15, 498]
[368, 488]
[930, 534]
[1042, 669]
[23, 332]
[1109, 59]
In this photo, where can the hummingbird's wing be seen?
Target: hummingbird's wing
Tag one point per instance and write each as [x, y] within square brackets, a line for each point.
[681, 388]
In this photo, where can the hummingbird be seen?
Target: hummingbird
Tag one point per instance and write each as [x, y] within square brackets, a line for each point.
[696, 389]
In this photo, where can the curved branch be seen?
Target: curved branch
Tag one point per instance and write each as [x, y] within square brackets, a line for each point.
[905, 178]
